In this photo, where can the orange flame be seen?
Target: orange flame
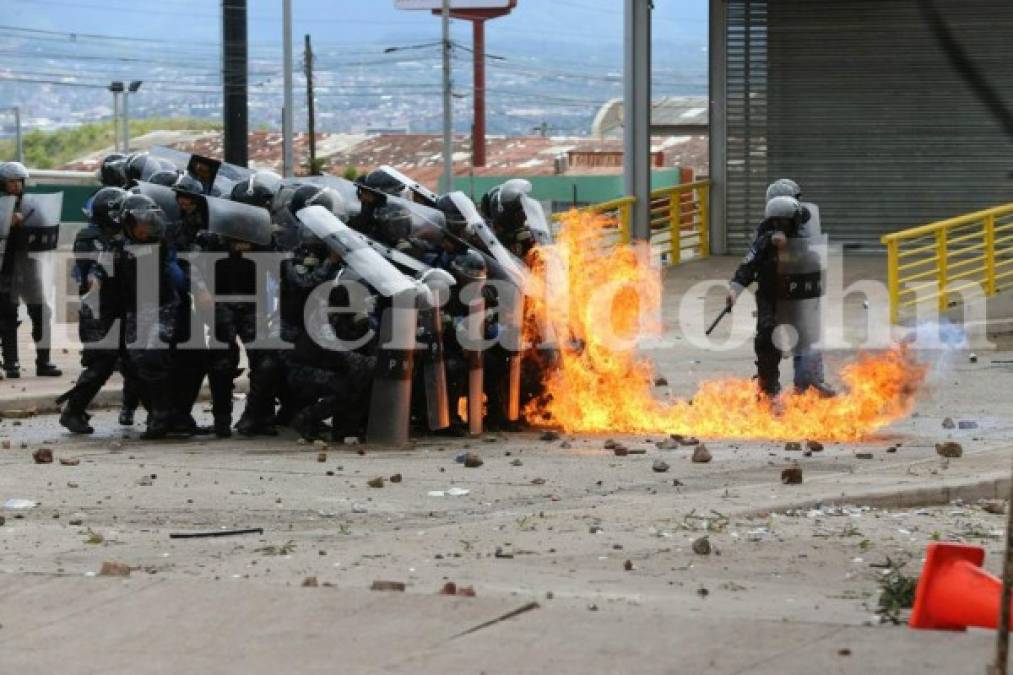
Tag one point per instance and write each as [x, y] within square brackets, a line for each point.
[600, 387]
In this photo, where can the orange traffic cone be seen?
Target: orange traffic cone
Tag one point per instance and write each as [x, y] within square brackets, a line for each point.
[954, 592]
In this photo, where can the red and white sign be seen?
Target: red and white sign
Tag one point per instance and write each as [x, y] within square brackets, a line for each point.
[454, 4]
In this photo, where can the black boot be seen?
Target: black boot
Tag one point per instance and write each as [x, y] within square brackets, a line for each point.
[75, 421]
[127, 417]
[43, 366]
[12, 369]
[221, 402]
[309, 422]
[9, 340]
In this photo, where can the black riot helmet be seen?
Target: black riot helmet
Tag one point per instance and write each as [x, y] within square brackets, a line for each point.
[257, 190]
[166, 178]
[309, 240]
[469, 267]
[457, 225]
[504, 203]
[384, 182]
[187, 185]
[142, 220]
[103, 208]
[310, 195]
[135, 165]
[113, 170]
[393, 223]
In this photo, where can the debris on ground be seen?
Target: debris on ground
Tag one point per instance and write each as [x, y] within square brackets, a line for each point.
[43, 456]
[114, 569]
[685, 440]
[967, 424]
[863, 455]
[549, 436]
[18, 414]
[396, 478]
[15, 504]
[321, 457]
[380, 585]
[814, 446]
[472, 460]
[996, 506]
[452, 492]
[948, 423]
[949, 449]
[2, 521]
[284, 549]
[660, 382]
[310, 582]
[620, 450]
[375, 482]
[793, 446]
[628, 565]
[538, 481]
[359, 508]
[500, 553]
[702, 545]
[516, 462]
[659, 466]
[668, 444]
[450, 588]
[67, 461]
[610, 444]
[701, 455]
[215, 533]
[792, 475]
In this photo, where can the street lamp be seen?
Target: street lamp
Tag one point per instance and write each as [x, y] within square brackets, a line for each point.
[131, 88]
[116, 88]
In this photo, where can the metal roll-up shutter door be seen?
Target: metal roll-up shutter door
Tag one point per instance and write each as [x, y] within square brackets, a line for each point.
[746, 114]
[870, 115]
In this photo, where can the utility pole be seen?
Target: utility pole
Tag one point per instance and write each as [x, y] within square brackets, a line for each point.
[131, 89]
[234, 98]
[116, 87]
[286, 115]
[637, 114]
[18, 143]
[448, 132]
[310, 122]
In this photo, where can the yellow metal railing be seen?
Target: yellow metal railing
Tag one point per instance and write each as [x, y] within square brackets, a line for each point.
[935, 261]
[680, 220]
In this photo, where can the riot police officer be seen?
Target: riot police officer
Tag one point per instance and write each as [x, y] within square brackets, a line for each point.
[20, 281]
[95, 248]
[149, 331]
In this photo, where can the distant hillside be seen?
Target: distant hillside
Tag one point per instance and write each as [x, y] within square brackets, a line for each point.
[49, 149]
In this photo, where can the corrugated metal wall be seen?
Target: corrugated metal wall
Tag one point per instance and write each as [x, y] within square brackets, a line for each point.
[881, 124]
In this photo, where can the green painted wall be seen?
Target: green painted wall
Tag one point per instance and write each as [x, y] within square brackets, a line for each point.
[589, 189]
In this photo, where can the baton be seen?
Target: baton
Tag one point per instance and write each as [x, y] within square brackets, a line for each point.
[714, 325]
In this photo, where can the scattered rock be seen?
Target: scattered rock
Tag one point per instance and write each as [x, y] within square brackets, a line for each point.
[359, 508]
[807, 453]
[396, 478]
[688, 440]
[863, 455]
[450, 588]
[677, 483]
[516, 462]
[466, 591]
[310, 582]
[538, 481]
[948, 423]
[637, 451]
[997, 506]
[659, 466]
[628, 565]
[949, 449]
[967, 424]
[792, 475]
[702, 592]
[43, 456]
[71, 484]
[844, 652]
[972, 357]
[668, 444]
[74, 521]
[610, 444]
[892, 449]
[702, 546]
[69, 461]
[701, 455]
[114, 569]
[500, 553]
[620, 450]
[549, 436]
[380, 585]
[793, 446]
[814, 446]
[321, 457]
[144, 482]
[565, 445]
[660, 382]
[472, 460]
[375, 482]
